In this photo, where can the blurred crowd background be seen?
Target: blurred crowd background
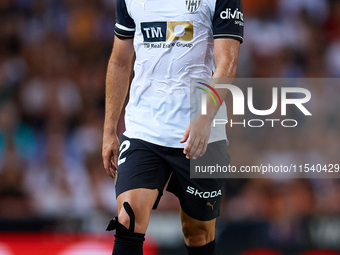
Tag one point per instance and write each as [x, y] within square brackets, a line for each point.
[53, 59]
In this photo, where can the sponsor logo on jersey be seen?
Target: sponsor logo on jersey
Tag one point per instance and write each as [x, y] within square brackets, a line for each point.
[167, 31]
[235, 15]
[154, 31]
[193, 5]
[229, 14]
[204, 194]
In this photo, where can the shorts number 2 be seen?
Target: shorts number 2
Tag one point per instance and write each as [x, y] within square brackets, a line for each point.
[123, 147]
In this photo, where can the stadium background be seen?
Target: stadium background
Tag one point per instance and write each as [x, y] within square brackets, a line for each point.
[54, 193]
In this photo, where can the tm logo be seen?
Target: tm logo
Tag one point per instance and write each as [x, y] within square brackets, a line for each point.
[167, 31]
[204, 97]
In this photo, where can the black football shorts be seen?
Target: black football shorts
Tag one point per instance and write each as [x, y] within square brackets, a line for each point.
[145, 165]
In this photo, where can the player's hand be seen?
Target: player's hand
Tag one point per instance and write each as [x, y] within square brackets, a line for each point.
[196, 138]
[110, 153]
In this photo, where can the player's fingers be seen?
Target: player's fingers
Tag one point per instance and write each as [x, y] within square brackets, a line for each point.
[201, 148]
[200, 144]
[107, 162]
[115, 159]
[204, 148]
[185, 134]
[187, 149]
[112, 169]
[114, 164]
[194, 149]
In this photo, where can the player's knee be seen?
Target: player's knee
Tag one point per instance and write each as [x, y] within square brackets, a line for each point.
[196, 235]
[131, 219]
[124, 219]
[190, 228]
[196, 240]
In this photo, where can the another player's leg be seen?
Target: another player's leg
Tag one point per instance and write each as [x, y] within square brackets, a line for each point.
[199, 236]
[134, 208]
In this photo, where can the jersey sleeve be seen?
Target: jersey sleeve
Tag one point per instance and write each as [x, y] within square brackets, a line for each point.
[228, 20]
[125, 26]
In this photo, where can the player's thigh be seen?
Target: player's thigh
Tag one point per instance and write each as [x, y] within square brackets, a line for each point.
[200, 198]
[141, 202]
[140, 167]
[197, 232]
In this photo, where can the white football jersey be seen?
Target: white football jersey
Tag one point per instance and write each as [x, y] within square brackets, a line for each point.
[174, 42]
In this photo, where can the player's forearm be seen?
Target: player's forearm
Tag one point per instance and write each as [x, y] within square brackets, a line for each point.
[226, 65]
[223, 74]
[117, 86]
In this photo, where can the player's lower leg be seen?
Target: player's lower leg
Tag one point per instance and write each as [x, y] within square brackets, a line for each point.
[126, 241]
[199, 236]
[131, 224]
